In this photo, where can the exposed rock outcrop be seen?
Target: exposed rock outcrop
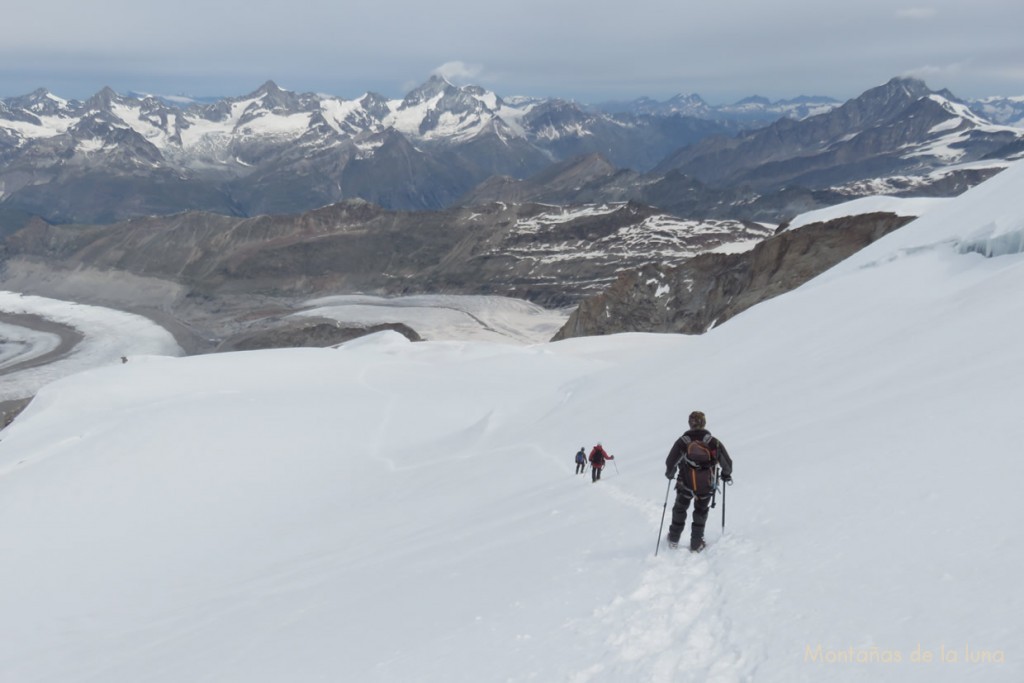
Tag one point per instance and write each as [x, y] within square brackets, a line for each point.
[709, 289]
[315, 332]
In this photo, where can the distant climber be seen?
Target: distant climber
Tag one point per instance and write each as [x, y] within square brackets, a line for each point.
[581, 460]
[598, 456]
[696, 455]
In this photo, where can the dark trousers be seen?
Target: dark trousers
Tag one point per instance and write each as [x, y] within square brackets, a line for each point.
[700, 516]
[595, 472]
[581, 467]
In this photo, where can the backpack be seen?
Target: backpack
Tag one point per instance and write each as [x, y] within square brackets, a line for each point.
[698, 453]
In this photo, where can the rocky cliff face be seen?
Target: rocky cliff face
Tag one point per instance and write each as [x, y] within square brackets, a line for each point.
[709, 289]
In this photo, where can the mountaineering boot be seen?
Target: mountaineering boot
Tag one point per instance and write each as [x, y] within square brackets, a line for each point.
[696, 545]
[672, 544]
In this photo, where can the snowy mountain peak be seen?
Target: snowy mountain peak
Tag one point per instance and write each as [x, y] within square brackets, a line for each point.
[901, 88]
[436, 85]
[104, 100]
[268, 87]
[41, 102]
[274, 99]
[438, 109]
[376, 105]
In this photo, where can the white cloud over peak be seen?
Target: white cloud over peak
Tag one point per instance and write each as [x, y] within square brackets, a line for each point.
[459, 72]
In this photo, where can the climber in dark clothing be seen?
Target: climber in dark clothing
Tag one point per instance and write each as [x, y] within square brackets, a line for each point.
[695, 456]
[581, 460]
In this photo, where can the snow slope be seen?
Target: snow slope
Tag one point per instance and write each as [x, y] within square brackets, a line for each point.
[444, 317]
[900, 206]
[389, 511]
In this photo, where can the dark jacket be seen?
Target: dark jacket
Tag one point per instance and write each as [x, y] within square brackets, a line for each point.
[700, 481]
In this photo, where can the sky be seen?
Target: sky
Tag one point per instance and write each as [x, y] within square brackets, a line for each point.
[573, 49]
[394, 511]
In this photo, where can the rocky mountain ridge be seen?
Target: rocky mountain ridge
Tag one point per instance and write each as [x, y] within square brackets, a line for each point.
[275, 151]
[900, 128]
[114, 157]
[900, 138]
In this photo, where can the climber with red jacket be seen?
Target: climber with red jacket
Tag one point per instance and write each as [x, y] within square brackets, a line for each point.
[598, 456]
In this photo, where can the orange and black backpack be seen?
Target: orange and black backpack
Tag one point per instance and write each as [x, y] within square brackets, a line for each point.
[699, 454]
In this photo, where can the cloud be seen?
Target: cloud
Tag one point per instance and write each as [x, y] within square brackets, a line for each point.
[951, 70]
[458, 72]
[916, 13]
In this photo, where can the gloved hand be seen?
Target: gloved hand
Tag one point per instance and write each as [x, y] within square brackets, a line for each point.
[727, 478]
[670, 474]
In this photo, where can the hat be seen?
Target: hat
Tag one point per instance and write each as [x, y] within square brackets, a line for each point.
[697, 420]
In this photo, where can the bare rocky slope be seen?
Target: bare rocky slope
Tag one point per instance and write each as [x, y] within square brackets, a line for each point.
[219, 281]
[709, 289]
[550, 255]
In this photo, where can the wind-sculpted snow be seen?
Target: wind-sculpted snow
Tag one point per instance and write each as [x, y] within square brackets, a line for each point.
[397, 511]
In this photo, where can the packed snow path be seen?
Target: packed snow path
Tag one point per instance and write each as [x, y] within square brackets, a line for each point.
[674, 624]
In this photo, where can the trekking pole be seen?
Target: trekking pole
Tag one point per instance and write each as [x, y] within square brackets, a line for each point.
[725, 485]
[616, 466]
[662, 526]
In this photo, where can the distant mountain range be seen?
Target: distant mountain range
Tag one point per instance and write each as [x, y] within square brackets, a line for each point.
[114, 157]
[241, 206]
[899, 138]
[750, 112]
[756, 112]
[275, 151]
